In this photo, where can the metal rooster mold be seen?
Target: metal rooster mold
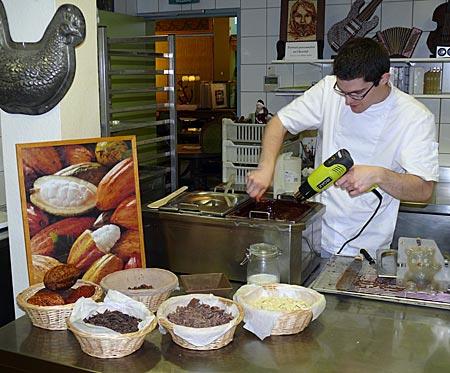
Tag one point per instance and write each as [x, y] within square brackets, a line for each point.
[34, 77]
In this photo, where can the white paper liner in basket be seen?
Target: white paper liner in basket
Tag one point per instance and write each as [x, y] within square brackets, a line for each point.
[261, 322]
[114, 301]
[163, 284]
[197, 336]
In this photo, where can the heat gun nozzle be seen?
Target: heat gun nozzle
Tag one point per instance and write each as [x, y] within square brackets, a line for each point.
[299, 197]
[304, 192]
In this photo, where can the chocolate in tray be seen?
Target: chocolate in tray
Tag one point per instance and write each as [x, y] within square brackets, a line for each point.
[273, 209]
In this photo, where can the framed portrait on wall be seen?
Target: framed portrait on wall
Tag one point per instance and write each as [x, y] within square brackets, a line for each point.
[301, 21]
[219, 95]
[80, 204]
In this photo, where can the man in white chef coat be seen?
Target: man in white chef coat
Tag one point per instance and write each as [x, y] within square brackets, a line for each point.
[390, 135]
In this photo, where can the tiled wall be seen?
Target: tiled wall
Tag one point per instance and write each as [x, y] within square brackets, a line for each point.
[259, 31]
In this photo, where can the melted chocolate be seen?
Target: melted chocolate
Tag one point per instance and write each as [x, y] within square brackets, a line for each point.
[273, 209]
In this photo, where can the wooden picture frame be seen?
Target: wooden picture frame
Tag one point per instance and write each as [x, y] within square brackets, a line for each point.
[219, 95]
[81, 204]
[301, 21]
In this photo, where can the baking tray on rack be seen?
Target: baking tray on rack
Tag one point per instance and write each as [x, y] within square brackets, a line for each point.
[368, 285]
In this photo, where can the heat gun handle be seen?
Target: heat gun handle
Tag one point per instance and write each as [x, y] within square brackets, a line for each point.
[331, 170]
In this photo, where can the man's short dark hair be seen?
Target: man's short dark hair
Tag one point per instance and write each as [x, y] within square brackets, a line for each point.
[361, 58]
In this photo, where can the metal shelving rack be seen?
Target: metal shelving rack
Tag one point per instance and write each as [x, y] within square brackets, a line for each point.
[128, 105]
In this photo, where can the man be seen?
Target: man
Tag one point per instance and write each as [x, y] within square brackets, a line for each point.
[390, 136]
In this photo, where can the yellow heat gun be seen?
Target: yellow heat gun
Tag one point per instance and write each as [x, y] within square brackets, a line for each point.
[325, 175]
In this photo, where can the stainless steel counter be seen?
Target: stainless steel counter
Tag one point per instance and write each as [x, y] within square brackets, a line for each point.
[351, 335]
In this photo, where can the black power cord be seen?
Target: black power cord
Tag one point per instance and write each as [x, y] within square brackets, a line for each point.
[380, 200]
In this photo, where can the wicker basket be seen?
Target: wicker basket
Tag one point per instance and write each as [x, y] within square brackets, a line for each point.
[290, 322]
[163, 282]
[51, 317]
[115, 346]
[220, 342]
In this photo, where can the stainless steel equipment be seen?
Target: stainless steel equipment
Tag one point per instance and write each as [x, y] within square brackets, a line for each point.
[195, 240]
[205, 203]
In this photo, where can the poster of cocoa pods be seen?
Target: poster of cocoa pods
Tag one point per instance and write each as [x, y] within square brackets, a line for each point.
[81, 206]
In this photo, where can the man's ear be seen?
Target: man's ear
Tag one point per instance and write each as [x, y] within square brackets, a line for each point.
[385, 78]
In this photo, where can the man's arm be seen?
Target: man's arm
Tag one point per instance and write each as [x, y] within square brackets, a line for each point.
[405, 187]
[259, 180]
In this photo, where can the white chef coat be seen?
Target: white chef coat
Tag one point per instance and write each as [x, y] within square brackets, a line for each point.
[398, 133]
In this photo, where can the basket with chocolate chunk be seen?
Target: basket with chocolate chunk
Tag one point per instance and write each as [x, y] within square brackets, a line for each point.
[200, 321]
[113, 328]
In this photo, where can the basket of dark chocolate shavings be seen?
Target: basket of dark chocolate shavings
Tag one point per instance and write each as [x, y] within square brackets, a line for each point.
[113, 328]
[200, 321]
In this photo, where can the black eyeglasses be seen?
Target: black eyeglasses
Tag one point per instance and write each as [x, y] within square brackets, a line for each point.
[353, 96]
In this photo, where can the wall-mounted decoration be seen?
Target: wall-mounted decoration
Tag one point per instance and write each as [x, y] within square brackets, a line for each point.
[81, 205]
[301, 21]
[34, 77]
[356, 24]
[399, 41]
[441, 35]
[184, 26]
[219, 95]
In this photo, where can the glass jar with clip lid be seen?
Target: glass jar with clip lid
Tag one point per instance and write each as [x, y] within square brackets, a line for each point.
[262, 264]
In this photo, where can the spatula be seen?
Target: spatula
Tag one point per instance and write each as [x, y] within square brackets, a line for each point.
[227, 188]
[164, 200]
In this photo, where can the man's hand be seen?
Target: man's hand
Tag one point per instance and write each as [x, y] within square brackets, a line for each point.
[257, 182]
[406, 187]
[358, 180]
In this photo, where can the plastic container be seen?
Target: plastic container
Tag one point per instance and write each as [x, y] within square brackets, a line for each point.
[416, 80]
[229, 168]
[242, 132]
[246, 153]
[288, 174]
[432, 81]
[421, 267]
[262, 264]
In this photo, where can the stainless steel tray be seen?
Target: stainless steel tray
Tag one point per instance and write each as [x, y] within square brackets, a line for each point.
[205, 203]
[369, 285]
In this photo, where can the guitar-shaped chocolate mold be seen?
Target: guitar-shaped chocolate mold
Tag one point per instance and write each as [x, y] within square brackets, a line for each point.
[356, 24]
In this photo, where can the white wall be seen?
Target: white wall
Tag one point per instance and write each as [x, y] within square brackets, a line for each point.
[259, 26]
[27, 21]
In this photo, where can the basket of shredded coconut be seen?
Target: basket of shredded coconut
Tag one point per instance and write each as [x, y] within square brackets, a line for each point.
[278, 309]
